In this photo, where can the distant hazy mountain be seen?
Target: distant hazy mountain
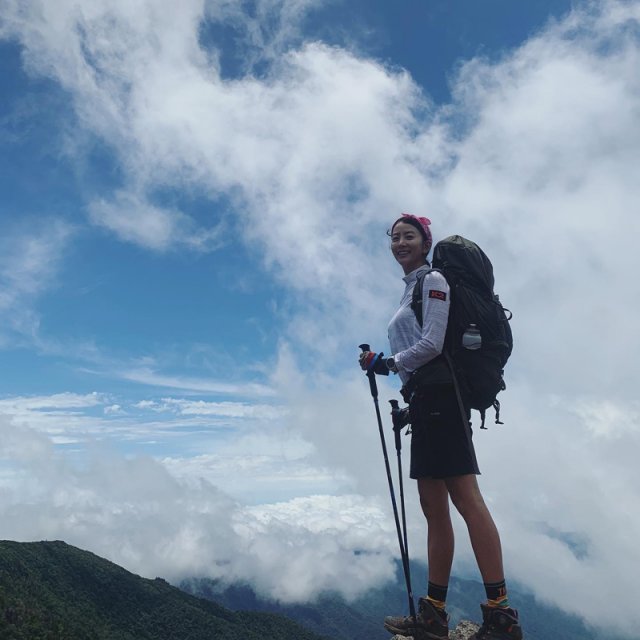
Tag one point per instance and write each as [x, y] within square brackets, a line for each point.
[52, 591]
[361, 619]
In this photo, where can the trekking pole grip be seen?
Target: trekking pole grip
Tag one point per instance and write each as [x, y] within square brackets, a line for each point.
[370, 374]
[397, 428]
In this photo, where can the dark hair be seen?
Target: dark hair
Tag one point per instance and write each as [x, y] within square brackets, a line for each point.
[413, 222]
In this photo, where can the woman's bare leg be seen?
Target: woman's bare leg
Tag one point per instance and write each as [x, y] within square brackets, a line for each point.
[434, 500]
[485, 539]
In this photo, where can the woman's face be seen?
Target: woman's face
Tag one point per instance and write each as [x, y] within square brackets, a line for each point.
[408, 246]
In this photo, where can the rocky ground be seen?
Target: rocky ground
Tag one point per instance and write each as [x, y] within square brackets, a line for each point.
[463, 631]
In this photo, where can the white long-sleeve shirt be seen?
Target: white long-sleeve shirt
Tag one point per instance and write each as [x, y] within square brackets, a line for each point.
[411, 345]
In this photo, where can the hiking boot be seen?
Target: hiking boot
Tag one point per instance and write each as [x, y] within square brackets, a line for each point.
[430, 623]
[498, 623]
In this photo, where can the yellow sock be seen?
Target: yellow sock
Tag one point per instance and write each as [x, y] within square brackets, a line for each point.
[502, 602]
[438, 604]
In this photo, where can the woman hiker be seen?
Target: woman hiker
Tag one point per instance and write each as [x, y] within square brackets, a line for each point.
[443, 460]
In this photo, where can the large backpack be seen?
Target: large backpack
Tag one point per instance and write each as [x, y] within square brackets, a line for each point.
[477, 372]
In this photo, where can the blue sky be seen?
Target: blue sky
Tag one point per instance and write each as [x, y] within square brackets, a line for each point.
[193, 313]
[134, 303]
[193, 216]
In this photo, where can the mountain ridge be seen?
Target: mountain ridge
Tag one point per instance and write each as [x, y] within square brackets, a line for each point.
[54, 591]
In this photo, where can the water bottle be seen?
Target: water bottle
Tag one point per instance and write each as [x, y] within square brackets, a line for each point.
[471, 338]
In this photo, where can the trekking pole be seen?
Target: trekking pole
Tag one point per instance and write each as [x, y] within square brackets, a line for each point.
[396, 415]
[403, 550]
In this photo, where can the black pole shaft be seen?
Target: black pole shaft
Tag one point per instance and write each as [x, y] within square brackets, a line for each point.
[397, 430]
[402, 509]
[403, 549]
[403, 552]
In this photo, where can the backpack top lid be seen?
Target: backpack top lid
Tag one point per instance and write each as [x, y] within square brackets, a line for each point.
[464, 260]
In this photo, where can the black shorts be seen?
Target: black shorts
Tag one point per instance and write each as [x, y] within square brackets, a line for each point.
[441, 444]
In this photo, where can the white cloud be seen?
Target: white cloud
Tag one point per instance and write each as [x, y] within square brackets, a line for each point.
[566, 482]
[544, 179]
[260, 477]
[323, 532]
[85, 419]
[135, 220]
[609, 420]
[151, 378]
[294, 148]
[134, 512]
[246, 450]
[63, 415]
[29, 264]
[228, 409]
[25, 404]
[114, 409]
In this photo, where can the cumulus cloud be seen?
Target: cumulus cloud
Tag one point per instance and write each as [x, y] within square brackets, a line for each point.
[544, 180]
[322, 131]
[535, 159]
[570, 496]
[336, 528]
[138, 221]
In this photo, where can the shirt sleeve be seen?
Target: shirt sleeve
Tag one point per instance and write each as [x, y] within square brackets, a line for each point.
[436, 298]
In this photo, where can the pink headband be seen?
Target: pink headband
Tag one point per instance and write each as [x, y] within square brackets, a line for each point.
[424, 223]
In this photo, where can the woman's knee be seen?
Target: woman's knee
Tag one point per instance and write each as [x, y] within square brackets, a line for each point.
[434, 499]
[466, 496]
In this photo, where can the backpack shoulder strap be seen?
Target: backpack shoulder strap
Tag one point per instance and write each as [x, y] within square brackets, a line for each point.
[416, 298]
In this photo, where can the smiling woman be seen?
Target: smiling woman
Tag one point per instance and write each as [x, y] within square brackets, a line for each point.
[443, 458]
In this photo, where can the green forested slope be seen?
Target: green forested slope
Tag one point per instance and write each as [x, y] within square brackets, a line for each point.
[53, 591]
